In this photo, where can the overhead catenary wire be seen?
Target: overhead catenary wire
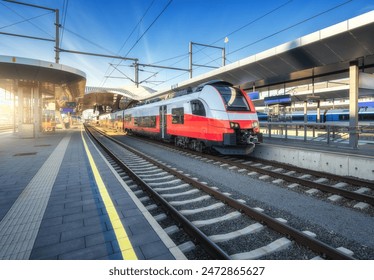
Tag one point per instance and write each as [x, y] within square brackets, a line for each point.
[142, 35]
[89, 41]
[252, 22]
[64, 15]
[292, 26]
[125, 42]
[28, 20]
[171, 58]
[127, 77]
[183, 56]
[229, 34]
[285, 29]
[149, 27]
[242, 27]
[136, 26]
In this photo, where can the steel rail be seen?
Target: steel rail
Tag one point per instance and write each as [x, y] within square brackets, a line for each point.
[323, 187]
[300, 237]
[212, 249]
[310, 184]
[352, 181]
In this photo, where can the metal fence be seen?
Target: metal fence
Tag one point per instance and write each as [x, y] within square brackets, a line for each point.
[337, 134]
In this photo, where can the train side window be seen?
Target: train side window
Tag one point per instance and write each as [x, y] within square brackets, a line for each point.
[197, 108]
[177, 115]
[366, 117]
[127, 118]
[297, 118]
[149, 121]
[152, 121]
[343, 117]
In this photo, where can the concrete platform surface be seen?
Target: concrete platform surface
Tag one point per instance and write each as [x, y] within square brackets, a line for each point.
[52, 205]
[341, 161]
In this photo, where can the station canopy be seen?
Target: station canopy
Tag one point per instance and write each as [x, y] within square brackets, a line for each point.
[327, 52]
[57, 82]
[105, 99]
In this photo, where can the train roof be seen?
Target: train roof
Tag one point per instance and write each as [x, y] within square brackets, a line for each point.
[184, 94]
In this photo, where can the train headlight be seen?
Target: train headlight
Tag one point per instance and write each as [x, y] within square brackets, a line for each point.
[255, 124]
[234, 125]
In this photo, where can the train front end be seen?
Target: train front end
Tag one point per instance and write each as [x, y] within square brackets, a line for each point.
[241, 126]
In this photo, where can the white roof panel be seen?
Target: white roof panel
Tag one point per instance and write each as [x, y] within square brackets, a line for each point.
[325, 50]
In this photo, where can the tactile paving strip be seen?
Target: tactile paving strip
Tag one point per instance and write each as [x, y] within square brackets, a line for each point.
[19, 227]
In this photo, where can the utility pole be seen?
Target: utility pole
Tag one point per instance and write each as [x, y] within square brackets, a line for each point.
[190, 66]
[57, 23]
[206, 66]
[57, 38]
[136, 65]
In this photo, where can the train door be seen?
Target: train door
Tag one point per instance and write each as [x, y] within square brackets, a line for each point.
[163, 121]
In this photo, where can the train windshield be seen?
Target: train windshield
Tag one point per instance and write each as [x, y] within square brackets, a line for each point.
[233, 98]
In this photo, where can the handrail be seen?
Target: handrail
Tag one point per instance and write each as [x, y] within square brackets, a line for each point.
[328, 133]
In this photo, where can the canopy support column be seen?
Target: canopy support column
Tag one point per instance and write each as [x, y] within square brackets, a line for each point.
[353, 104]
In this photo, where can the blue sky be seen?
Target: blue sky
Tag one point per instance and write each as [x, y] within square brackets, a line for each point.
[117, 27]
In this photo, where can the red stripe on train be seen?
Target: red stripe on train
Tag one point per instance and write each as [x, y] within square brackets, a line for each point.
[193, 127]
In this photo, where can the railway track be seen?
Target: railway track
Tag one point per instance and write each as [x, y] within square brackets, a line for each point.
[339, 187]
[352, 192]
[361, 191]
[224, 227]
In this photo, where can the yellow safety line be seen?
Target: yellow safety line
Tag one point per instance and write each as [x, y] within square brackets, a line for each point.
[123, 240]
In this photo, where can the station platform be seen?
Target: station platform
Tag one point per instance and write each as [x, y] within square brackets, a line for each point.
[334, 159]
[57, 203]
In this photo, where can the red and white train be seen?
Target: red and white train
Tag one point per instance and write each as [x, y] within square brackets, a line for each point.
[215, 115]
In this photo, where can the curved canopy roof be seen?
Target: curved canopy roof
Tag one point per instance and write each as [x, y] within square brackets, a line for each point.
[64, 83]
[114, 98]
[320, 53]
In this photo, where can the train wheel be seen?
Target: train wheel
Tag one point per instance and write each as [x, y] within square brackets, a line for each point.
[196, 145]
[199, 146]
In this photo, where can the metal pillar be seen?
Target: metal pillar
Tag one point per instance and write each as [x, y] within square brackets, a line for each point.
[20, 109]
[190, 66]
[58, 114]
[136, 67]
[223, 56]
[28, 124]
[57, 23]
[353, 104]
[305, 119]
[207, 66]
[305, 111]
[318, 111]
[57, 39]
[37, 98]
[15, 108]
[26, 112]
